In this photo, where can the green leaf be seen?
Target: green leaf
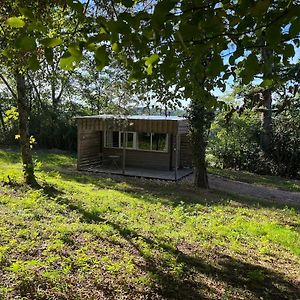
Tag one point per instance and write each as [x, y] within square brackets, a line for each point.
[26, 43]
[75, 51]
[15, 22]
[51, 42]
[267, 83]
[115, 47]
[289, 51]
[161, 10]
[101, 58]
[151, 59]
[8, 52]
[251, 64]
[260, 7]
[76, 5]
[27, 12]
[295, 27]
[91, 47]
[37, 26]
[232, 60]
[49, 55]
[216, 66]
[149, 70]
[273, 35]
[33, 63]
[128, 3]
[250, 67]
[68, 61]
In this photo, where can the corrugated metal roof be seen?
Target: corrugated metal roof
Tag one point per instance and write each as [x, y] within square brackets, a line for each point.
[134, 117]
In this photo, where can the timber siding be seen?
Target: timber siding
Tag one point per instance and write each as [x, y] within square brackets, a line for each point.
[91, 142]
[134, 125]
[186, 157]
[143, 159]
[89, 147]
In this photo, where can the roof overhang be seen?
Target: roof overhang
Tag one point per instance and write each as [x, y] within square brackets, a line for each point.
[155, 124]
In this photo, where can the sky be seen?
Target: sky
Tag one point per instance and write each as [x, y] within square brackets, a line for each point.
[218, 93]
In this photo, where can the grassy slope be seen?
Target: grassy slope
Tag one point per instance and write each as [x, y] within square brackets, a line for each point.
[266, 180]
[82, 237]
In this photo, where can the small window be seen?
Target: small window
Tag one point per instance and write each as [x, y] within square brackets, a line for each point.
[130, 140]
[112, 139]
[159, 142]
[144, 141]
[115, 139]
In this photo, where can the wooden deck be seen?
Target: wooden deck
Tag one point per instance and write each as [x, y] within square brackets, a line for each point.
[142, 173]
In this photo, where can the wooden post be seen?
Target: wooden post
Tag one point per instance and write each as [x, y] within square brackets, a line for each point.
[124, 151]
[79, 126]
[171, 149]
[176, 156]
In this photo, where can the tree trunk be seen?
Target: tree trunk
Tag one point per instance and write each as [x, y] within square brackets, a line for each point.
[200, 179]
[28, 166]
[2, 120]
[266, 122]
[266, 138]
[200, 121]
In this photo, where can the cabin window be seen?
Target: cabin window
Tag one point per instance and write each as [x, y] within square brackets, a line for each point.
[152, 141]
[115, 139]
[131, 140]
[112, 139]
[141, 141]
[159, 142]
[144, 141]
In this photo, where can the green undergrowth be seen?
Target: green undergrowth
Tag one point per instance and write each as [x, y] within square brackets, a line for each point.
[84, 237]
[265, 180]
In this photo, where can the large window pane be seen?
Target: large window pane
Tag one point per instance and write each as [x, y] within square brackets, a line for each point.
[115, 139]
[144, 141]
[159, 142]
[130, 139]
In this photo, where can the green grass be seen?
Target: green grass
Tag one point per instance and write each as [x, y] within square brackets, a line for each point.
[265, 180]
[84, 237]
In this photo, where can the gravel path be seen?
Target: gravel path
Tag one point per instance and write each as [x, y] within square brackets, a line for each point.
[241, 188]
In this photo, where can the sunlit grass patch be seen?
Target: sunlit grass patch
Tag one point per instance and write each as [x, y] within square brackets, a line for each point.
[99, 237]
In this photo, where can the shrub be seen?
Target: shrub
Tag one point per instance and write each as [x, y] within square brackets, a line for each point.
[236, 144]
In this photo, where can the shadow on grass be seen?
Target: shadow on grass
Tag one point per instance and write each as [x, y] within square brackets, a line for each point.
[171, 193]
[198, 269]
[10, 156]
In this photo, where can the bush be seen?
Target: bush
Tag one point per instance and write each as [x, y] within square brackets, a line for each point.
[236, 144]
[286, 143]
[56, 129]
[52, 129]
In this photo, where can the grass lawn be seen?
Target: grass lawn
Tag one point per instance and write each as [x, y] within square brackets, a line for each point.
[266, 180]
[83, 237]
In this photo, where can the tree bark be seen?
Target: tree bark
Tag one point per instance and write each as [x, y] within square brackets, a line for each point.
[2, 120]
[266, 137]
[200, 121]
[28, 166]
[266, 120]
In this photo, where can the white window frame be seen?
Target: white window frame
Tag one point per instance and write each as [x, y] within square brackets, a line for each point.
[135, 141]
[126, 134]
[151, 143]
[105, 139]
[120, 142]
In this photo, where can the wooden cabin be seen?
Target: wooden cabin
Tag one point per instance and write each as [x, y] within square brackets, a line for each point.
[143, 146]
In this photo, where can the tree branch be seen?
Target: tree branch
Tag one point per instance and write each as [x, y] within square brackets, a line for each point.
[8, 86]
